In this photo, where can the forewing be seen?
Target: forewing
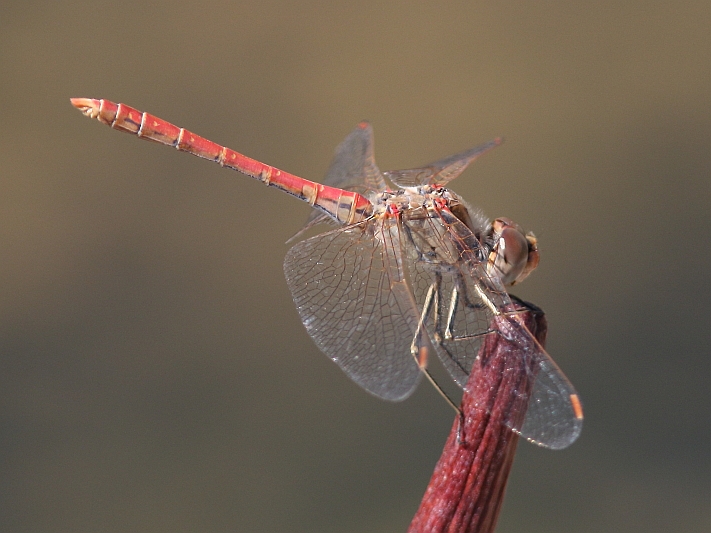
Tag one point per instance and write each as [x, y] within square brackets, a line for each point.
[350, 293]
[441, 253]
[352, 168]
[440, 172]
[410, 177]
[554, 418]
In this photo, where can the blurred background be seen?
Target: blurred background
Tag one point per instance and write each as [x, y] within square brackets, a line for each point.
[154, 375]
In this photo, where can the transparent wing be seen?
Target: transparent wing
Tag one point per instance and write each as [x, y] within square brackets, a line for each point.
[440, 172]
[554, 418]
[349, 289]
[352, 168]
[460, 304]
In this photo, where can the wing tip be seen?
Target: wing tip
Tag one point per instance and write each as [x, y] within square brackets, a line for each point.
[577, 406]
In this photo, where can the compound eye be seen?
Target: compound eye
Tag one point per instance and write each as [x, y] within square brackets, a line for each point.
[514, 255]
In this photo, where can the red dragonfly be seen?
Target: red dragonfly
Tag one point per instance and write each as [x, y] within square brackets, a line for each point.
[411, 268]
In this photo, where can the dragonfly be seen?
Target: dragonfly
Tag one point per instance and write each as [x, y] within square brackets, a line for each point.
[410, 269]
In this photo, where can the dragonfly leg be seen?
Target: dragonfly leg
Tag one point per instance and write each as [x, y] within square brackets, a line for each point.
[450, 315]
[439, 389]
[486, 300]
[419, 352]
[415, 348]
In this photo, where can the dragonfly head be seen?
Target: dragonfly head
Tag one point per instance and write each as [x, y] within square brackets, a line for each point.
[514, 254]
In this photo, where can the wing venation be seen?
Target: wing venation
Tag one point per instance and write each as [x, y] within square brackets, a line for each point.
[350, 293]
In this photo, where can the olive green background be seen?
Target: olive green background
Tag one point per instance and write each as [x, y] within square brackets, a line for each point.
[154, 375]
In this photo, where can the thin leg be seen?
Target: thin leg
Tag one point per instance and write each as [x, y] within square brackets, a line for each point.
[450, 315]
[421, 353]
[453, 306]
[415, 348]
[486, 300]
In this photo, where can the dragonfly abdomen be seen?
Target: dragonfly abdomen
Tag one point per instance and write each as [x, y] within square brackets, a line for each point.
[345, 207]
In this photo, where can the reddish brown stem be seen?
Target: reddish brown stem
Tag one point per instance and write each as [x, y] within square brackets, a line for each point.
[467, 487]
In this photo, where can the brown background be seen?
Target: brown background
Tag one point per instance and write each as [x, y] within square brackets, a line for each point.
[154, 375]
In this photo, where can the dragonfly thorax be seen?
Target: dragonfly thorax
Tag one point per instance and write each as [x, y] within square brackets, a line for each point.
[510, 253]
[393, 202]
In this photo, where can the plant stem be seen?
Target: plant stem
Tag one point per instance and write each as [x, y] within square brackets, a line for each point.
[467, 487]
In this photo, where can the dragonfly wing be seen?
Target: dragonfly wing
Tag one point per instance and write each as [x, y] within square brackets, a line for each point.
[443, 258]
[554, 418]
[316, 217]
[350, 293]
[442, 171]
[352, 168]
[410, 177]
